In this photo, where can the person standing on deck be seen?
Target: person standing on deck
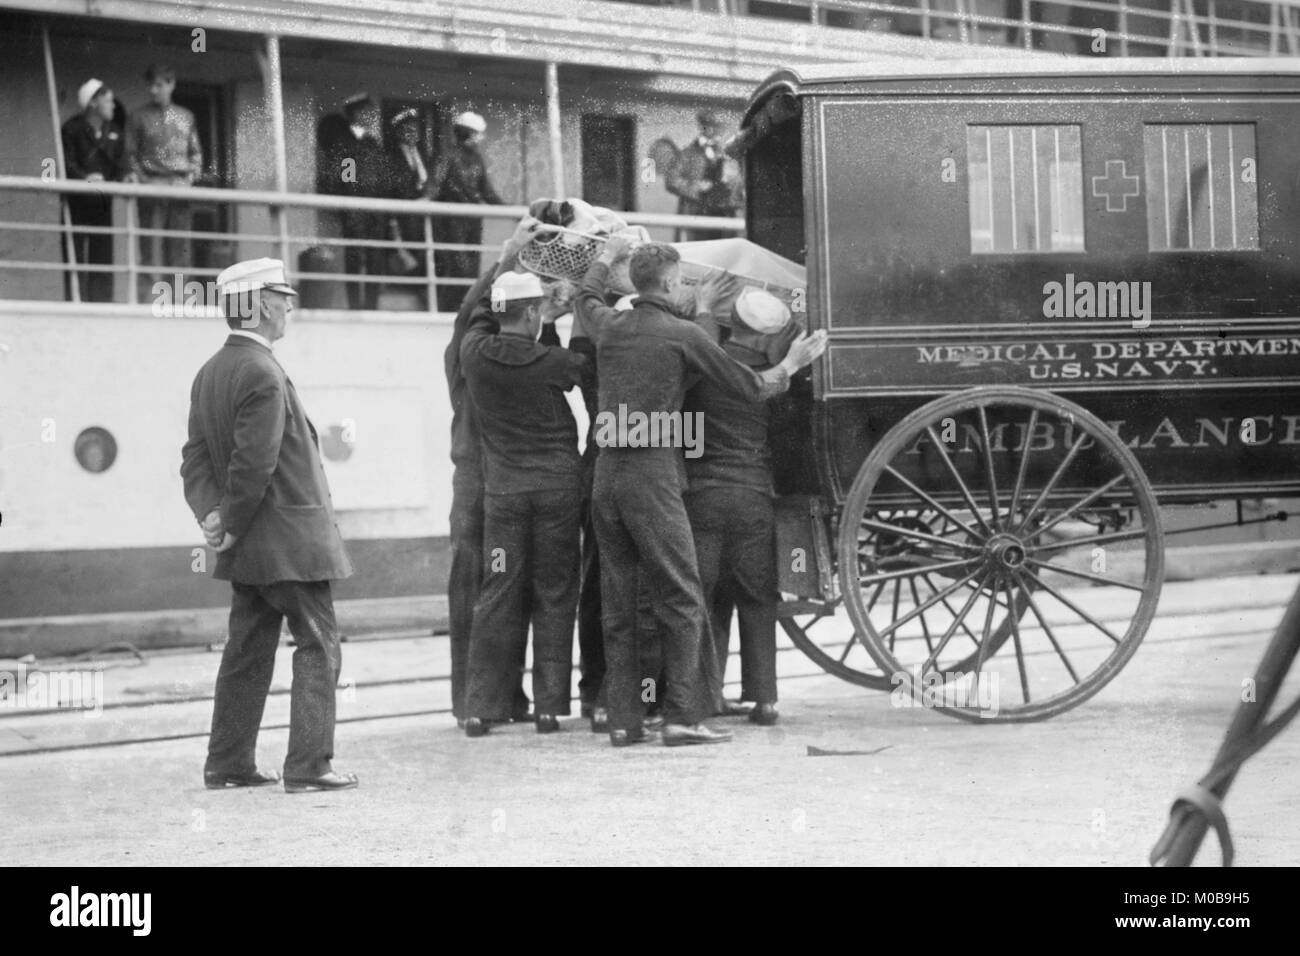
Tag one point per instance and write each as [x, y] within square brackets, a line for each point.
[92, 152]
[163, 149]
[461, 177]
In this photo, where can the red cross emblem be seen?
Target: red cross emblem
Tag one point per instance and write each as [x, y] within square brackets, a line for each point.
[1115, 186]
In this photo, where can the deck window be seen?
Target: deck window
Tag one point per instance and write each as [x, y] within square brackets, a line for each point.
[1026, 189]
[1201, 190]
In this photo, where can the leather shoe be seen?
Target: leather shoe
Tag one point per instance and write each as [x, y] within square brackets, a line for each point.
[653, 724]
[460, 722]
[737, 708]
[329, 781]
[599, 720]
[680, 735]
[547, 723]
[476, 727]
[764, 715]
[626, 738]
[220, 781]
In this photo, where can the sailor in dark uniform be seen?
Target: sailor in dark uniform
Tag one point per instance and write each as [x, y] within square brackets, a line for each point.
[729, 502]
[92, 151]
[461, 177]
[591, 638]
[648, 359]
[532, 504]
[465, 578]
[591, 634]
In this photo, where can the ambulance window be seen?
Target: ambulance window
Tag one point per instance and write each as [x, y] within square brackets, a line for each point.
[1026, 188]
[1201, 191]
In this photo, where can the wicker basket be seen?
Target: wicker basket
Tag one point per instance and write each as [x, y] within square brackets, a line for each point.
[560, 253]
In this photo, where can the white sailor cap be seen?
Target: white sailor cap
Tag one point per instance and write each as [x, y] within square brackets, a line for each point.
[411, 114]
[254, 274]
[88, 91]
[511, 286]
[471, 121]
[761, 311]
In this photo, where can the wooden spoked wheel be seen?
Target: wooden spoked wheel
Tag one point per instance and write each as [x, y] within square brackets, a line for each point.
[831, 641]
[1000, 555]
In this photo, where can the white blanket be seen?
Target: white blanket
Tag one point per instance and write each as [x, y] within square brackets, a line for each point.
[746, 261]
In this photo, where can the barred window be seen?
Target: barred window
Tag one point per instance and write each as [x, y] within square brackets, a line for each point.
[1026, 188]
[1201, 190]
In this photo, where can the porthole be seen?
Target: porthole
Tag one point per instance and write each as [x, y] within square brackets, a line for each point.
[96, 449]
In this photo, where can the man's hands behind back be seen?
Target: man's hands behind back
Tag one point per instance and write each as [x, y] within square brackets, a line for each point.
[214, 534]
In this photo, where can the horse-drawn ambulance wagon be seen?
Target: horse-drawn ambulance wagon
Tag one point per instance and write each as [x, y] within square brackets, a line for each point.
[1060, 297]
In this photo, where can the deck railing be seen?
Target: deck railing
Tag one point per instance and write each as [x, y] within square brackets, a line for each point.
[1096, 27]
[44, 220]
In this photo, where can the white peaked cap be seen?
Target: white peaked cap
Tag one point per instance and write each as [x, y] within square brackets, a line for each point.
[87, 92]
[761, 311]
[471, 121]
[410, 113]
[625, 304]
[516, 285]
[254, 274]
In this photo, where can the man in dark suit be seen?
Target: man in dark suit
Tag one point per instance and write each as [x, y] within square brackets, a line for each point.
[254, 481]
[363, 165]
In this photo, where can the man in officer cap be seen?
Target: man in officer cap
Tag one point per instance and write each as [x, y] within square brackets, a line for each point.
[729, 502]
[533, 501]
[462, 177]
[362, 167]
[254, 481]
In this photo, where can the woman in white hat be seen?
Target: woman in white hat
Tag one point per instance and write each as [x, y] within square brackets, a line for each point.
[92, 151]
[461, 177]
[406, 177]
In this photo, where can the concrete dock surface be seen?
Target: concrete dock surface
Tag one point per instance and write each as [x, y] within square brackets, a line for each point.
[846, 777]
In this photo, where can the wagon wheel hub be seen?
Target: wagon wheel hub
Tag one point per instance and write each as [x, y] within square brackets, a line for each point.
[1005, 552]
